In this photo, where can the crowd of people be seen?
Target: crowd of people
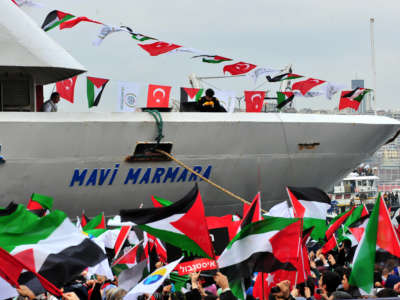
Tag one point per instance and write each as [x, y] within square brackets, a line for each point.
[329, 280]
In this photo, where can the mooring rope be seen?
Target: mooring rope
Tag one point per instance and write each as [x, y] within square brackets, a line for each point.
[204, 178]
[157, 116]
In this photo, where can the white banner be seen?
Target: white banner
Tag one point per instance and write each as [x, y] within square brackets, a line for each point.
[128, 96]
[227, 99]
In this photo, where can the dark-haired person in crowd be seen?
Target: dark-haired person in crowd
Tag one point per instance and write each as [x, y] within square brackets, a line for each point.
[209, 103]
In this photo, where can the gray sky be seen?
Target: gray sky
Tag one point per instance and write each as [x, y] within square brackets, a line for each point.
[327, 40]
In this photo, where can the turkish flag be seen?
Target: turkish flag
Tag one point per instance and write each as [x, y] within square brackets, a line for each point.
[254, 100]
[66, 88]
[158, 48]
[239, 68]
[306, 85]
[158, 95]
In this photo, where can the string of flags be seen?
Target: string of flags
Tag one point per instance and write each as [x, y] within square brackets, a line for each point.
[131, 95]
[309, 87]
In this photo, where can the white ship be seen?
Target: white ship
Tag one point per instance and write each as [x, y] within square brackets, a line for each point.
[80, 158]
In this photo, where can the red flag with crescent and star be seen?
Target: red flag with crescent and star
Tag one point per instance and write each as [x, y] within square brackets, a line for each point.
[306, 85]
[239, 68]
[158, 95]
[66, 88]
[254, 100]
[158, 48]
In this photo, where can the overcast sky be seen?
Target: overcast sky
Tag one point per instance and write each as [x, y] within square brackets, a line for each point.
[328, 40]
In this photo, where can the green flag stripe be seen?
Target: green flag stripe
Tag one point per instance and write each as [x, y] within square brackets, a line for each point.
[175, 239]
[56, 23]
[362, 274]
[93, 223]
[90, 93]
[163, 201]
[24, 227]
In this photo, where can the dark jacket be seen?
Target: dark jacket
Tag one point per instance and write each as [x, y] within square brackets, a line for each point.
[206, 105]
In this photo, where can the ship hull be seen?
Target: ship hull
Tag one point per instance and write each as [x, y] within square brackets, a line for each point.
[79, 158]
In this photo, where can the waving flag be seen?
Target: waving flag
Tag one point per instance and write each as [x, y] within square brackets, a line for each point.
[284, 98]
[66, 88]
[158, 95]
[104, 32]
[96, 226]
[95, 88]
[190, 94]
[158, 48]
[306, 85]
[152, 282]
[40, 204]
[256, 73]
[51, 245]
[284, 76]
[352, 99]
[160, 202]
[254, 100]
[137, 36]
[253, 213]
[73, 22]
[212, 59]
[258, 247]
[378, 233]
[239, 68]
[11, 269]
[181, 224]
[55, 18]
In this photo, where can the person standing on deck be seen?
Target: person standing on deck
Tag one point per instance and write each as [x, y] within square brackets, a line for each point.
[51, 104]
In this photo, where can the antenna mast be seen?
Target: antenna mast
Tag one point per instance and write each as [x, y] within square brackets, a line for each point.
[371, 28]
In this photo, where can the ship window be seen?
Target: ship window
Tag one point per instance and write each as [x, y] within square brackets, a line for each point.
[15, 95]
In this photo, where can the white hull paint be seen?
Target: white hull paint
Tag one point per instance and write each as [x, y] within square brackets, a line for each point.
[246, 152]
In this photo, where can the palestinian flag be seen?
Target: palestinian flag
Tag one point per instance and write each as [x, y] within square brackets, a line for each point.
[160, 202]
[378, 233]
[12, 268]
[84, 219]
[137, 36]
[284, 76]
[95, 88]
[96, 226]
[76, 21]
[55, 18]
[129, 259]
[329, 245]
[181, 224]
[212, 59]
[284, 98]
[141, 37]
[190, 94]
[344, 221]
[337, 223]
[253, 214]
[40, 204]
[265, 281]
[51, 245]
[259, 248]
[310, 204]
[352, 98]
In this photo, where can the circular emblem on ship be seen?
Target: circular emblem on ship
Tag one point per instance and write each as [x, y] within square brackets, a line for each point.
[130, 99]
[155, 276]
